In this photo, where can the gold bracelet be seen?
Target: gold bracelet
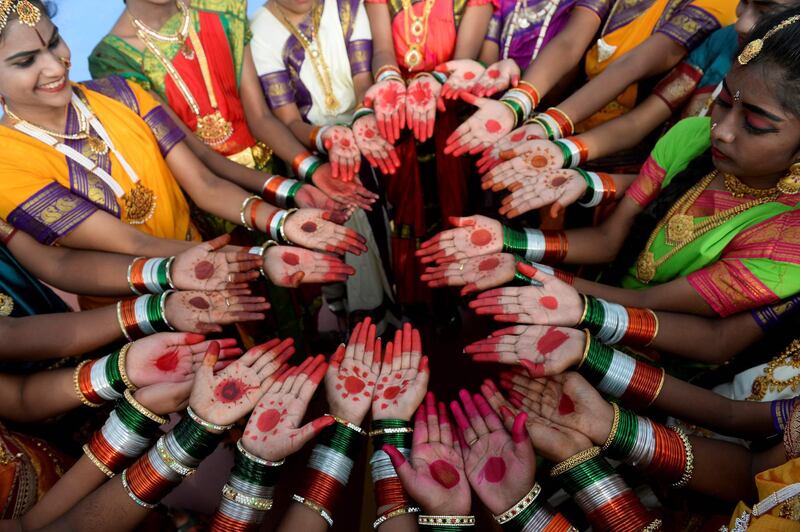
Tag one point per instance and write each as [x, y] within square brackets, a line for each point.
[255, 503]
[123, 356]
[143, 410]
[76, 384]
[404, 510]
[585, 309]
[523, 503]
[534, 89]
[314, 506]
[282, 223]
[391, 430]
[447, 520]
[258, 459]
[347, 424]
[655, 333]
[585, 349]
[566, 117]
[614, 427]
[96, 461]
[209, 426]
[574, 461]
[652, 527]
[688, 471]
[121, 323]
[243, 212]
[660, 387]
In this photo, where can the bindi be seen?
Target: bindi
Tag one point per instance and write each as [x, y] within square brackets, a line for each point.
[199, 302]
[444, 473]
[292, 259]
[494, 470]
[167, 362]
[309, 227]
[550, 341]
[203, 269]
[481, 237]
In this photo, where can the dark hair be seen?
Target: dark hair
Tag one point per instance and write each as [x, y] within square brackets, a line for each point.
[779, 59]
[47, 8]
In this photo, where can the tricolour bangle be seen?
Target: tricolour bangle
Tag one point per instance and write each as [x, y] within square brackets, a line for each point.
[143, 316]
[520, 279]
[82, 382]
[387, 71]
[151, 478]
[328, 469]
[657, 450]
[602, 494]
[536, 245]
[243, 216]
[274, 222]
[621, 376]
[562, 121]
[389, 492]
[533, 513]
[396, 512]
[531, 91]
[361, 112]
[304, 165]
[781, 412]
[105, 378]
[280, 191]
[614, 324]
[550, 126]
[441, 77]
[516, 110]
[574, 150]
[150, 276]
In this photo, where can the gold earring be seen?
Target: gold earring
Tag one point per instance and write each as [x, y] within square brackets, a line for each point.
[790, 184]
[714, 126]
[66, 61]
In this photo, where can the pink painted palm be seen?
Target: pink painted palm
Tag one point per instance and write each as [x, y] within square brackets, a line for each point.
[403, 379]
[473, 274]
[473, 236]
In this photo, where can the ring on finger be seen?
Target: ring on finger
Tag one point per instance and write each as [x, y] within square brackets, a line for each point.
[471, 442]
[230, 277]
[227, 303]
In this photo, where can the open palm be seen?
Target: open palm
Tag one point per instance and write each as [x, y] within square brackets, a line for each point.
[473, 236]
[206, 267]
[560, 188]
[313, 229]
[292, 266]
[403, 378]
[474, 274]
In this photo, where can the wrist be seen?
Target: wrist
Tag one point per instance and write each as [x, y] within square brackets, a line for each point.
[150, 276]
[281, 191]
[304, 165]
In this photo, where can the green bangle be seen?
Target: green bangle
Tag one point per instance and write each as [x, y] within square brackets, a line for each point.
[589, 194]
[565, 152]
[547, 129]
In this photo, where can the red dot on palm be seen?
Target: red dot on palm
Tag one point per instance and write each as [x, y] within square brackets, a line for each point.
[494, 470]
[469, 75]
[309, 227]
[231, 390]
[494, 74]
[199, 302]
[566, 406]
[268, 420]
[481, 237]
[489, 264]
[444, 473]
[292, 259]
[203, 269]
[550, 341]
[168, 361]
[493, 126]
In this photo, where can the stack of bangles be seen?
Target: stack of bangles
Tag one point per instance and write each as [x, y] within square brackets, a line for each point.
[602, 494]
[781, 412]
[614, 324]
[248, 494]
[652, 447]
[521, 101]
[317, 138]
[150, 276]
[520, 279]
[389, 493]
[143, 316]
[619, 375]
[574, 151]
[329, 468]
[361, 111]
[600, 189]
[304, 165]
[533, 513]
[175, 456]
[536, 245]
[274, 224]
[555, 123]
[389, 72]
[280, 191]
[128, 432]
[104, 379]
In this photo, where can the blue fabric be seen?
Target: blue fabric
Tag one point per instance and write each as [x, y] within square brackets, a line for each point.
[715, 56]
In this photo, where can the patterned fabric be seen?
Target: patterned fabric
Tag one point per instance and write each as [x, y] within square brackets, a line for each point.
[679, 85]
[166, 131]
[783, 517]
[46, 196]
[750, 261]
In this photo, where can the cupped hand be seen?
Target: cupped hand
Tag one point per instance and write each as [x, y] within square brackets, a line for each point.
[553, 303]
[388, 99]
[491, 122]
[206, 312]
[500, 466]
[376, 149]
[462, 75]
[554, 442]
[422, 101]
[205, 267]
[352, 374]
[313, 229]
[345, 192]
[559, 188]
[291, 266]
[166, 397]
[310, 197]
[228, 395]
[273, 431]
[472, 237]
[529, 160]
[342, 152]
[403, 379]
[474, 274]
[171, 357]
[498, 77]
[568, 400]
[434, 476]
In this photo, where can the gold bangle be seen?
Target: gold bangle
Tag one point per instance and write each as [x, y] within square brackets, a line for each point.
[96, 461]
[585, 349]
[282, 223]
[655, 333]
[660, 387]
[652, 527]
[123, 357]
[314, 506]
[446, 520]
[688, 471]
[121, 323]
[574, 461]
[254, 503]
[391, 430]
[347, 424]
[209, 426]
[243, 212]
[566, 117]
[523, 503]
[585, 309]
[534, 89]
[257, 459]
[397, 512]
[614, 428]
[143, 410]
[76, 384]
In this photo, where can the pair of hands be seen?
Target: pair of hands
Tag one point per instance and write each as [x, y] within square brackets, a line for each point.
[500, 466]
[468, 75]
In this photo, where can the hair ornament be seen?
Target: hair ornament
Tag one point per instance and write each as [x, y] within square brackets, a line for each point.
[755, 46]
[27, 13]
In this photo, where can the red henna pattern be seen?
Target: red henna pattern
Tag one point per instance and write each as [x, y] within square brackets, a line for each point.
[493, 126]
[231, 390]
[269, 420]
[481, 237]
[518, 136]
[494, 470]
[548, 302]
[551, 341]
[489, 264]
[168, 362]
[199, 302]
[309, 227]
[444, 473]
[292, 259]
[203, 269]
[469, 75]
[565, 405]
[494, 74]
[356, 385]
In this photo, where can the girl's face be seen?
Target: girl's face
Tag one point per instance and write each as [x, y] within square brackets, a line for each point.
[298, 7]
[748, 12]
[33, 70]
[754, 135]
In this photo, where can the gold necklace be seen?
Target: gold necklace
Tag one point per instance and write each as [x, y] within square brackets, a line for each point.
[605, 50]
[763, 384]
[738, 189]
[213, 129]
[416, 28]
[179, 37]
[681, 230]
[313, 49]
[95, 144]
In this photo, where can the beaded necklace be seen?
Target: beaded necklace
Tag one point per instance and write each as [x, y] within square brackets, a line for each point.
[416, 28]
[518, 20]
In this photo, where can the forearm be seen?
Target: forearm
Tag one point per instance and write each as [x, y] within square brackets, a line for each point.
[626, 131]
[361, 83]
[48, 336]
[299, 517]
[723, 470]
[44, 395]
[490, 53]
[674, 296]
[471, 31]
[271, 131]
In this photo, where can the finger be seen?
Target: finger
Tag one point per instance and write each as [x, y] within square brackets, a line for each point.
[465, 431]
[209, 361]
[420, 427]
[306, 392]
[489, 415]
[445, 430]
[404, 470]
[519, 434]
[432, 418]
[279, 354]
[407, 334]
[397, 356]
[338, 356]
[310, 430]
[475, 418]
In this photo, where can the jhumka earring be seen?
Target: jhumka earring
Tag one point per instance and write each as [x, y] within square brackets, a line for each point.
[737, 97]
[790, 184]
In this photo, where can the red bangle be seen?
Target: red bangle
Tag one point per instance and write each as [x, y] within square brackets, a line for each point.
[145, 482]
[298, 159]
[555, 246]
[526, 87]
[312, 137]
[106, 454]
[564, 121]
[390, 492]
[85, 383]
[609, 188]
[223, 523]
[253, 210]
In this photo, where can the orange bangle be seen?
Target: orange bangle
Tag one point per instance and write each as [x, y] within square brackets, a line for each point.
[298, 159]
